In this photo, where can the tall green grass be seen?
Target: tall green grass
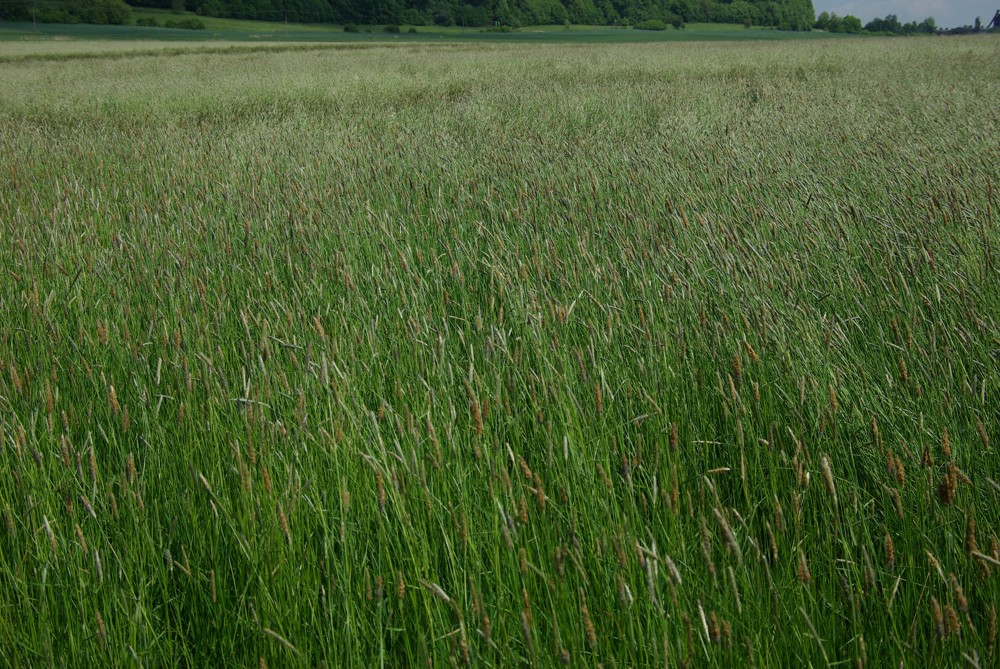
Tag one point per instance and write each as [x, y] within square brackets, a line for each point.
[492, 355]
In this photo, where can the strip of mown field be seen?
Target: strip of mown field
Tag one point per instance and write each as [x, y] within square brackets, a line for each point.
[101, 37]
[495, 354]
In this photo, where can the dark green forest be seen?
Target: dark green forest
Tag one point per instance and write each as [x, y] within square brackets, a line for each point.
[784, 14]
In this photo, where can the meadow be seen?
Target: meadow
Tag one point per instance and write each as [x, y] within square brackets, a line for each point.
[680, 354]
[91, 39]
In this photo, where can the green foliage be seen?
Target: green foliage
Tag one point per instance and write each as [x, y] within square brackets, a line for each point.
[351, 28]
[790, 14]
[891, 25]
[650, 24]
[837, 24]
[108, 12]
[391, 28]
[851, 25]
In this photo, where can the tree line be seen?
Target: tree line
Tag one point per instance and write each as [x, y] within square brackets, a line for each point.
[890, 25]
[103, 12]
[782, 14]
[786, 14]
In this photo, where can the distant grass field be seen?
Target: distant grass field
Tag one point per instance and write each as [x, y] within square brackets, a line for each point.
[679, 354]
[234, 30]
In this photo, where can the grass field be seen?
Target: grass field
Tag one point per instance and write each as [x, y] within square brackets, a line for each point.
[235, 30]
[489, 354]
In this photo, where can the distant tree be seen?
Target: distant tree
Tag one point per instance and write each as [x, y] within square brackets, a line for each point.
[892, 26]
[650, 24]
[851, 24]
[211, 8]
[740, 11]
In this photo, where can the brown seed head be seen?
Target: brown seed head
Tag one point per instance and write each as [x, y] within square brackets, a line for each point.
[890, 552]
[283, 521]
[714, 632]
[82, 540]
[938, 618]
[803, 570]
[970, 534]
[960, 598]
[900, 472]
[588, 624]
[827, 470]
[102, 632]
[540, 496]
[983, 436]
[952, 623]
[380, 487]
[477, 416]
[991, 632]
[948, 485]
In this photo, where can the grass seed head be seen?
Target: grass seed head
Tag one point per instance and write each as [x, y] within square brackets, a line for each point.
[890, 552]
[983, 436]
[991, 632]
[477, 416]
[728, 537]
[938, 617]
[927, 459]
[948, 485]
[102, 631]
[953, 624]
[53, 546]
[80, 538]
[283, 522]
[380, 490]
[803, 569]
[960, 598]
[970, 533]
[588, 623]
[831, 486]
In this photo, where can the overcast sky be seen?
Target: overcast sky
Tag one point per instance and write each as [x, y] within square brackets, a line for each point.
[947, 13]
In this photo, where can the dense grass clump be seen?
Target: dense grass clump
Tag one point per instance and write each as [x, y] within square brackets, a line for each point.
[492, 355]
